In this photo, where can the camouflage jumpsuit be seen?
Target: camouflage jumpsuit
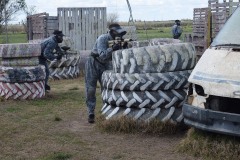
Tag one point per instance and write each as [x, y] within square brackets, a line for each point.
[97, 63]
[47, 53]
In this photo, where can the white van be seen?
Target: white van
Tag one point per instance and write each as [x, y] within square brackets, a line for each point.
[214, 103]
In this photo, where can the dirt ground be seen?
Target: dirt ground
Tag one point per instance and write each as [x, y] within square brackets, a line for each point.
[127, 146]
[56, 128]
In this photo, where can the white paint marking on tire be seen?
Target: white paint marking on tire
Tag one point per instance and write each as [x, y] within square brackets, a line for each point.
[124, 96]
[104, 106]
[127, 111]
[146, 102]
[106, 109]
[154, 115]
[131, 102]
[174, 100]
[135, 96]
[161, 101]
[169, 115]
[113, 113]
[180, 118]
[132, 87]
[139, 114]
[150, 96]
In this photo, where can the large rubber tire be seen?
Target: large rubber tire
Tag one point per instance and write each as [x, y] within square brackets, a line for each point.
[64, 73]
[65, 62]
[20, 50]
[25, 90]
[67, 68]
[146, 99]
[163, 41]
[152, 42]
[171, 114]
[155, 59]
[22, 74]
[25, 61]
[148, 81]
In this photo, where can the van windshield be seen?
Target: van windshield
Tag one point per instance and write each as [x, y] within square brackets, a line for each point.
[230, 33]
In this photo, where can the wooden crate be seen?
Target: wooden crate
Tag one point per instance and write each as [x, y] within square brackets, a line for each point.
[40, 26]
[221, 10]
[83, 25]
[200, 34]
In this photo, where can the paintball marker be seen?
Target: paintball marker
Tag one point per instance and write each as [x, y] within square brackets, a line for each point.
[64, 48]
[123, 43]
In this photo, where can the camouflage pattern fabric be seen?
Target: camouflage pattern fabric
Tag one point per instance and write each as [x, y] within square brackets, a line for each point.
[20, 50]
[22, 74]
[95, 67]
[48, 46]
[23, 61]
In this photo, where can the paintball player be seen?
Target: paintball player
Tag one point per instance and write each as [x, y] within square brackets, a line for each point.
[177, 29]
[48, 48]
[99, 61]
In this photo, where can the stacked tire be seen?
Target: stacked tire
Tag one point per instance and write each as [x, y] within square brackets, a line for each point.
[148, 82]
[21, 76]
[66, 68]
[69, 66]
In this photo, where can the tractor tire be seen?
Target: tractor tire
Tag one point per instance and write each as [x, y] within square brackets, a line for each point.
[66, 68]
[145, 82]
[11, 62]
[27, 90]
[65, 62]
[152, 42]
[20, 50]
[163, 41]
[145, 99]
[170, 114]
[22, 74]
[155, 59]
[64, 73]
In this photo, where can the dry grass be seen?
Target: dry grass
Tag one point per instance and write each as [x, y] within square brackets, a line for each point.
[56, 128]
[130, 126]
[38, 129]
[210, 145]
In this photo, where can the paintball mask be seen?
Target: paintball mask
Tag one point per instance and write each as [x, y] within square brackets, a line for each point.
[178, 22]
[59, 35]
[116, 31]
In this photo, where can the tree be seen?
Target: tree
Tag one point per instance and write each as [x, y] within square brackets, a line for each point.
[12, 8]
[112, 18]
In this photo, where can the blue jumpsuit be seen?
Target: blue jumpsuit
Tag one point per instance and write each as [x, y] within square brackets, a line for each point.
[176, 31]
[47, 53]
[98, 62]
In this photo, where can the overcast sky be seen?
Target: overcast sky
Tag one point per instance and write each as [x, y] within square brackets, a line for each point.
[141, 9]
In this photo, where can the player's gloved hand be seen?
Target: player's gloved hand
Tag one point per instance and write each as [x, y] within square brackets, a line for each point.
[59, 57]
[116, 46]
[125, 45]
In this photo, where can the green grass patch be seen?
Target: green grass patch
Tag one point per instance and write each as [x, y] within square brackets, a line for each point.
[14, 38]
[162, 32]
[210, 145]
